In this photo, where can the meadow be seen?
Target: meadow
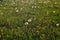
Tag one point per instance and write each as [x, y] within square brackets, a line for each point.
[30, 20]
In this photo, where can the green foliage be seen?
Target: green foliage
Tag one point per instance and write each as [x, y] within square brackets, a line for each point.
[30, 20]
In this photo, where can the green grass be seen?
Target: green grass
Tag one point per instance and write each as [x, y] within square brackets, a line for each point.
[44, 16]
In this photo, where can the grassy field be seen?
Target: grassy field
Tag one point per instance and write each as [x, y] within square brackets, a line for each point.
[30, 20]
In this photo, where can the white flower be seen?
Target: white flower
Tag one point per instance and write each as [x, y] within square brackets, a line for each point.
[29, 20]
[26, 23]
[17, 10]
[32, 6]
[57, 24]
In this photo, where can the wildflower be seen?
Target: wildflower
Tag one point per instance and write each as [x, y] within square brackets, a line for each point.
[26, 23]
[57, 24]
[29, 20]
[17, 10]
[32, 6]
